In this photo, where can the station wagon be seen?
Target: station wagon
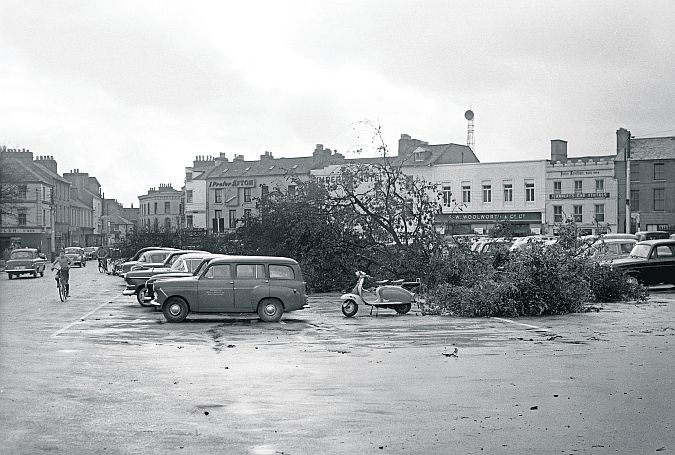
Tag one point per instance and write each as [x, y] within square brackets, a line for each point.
[266, 285]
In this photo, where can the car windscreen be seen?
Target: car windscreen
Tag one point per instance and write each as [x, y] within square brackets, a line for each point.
[21, 255]
[72, 251]
[640, 251]
[179, 266]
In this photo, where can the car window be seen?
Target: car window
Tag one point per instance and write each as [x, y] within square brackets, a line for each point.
[179, 266]
[72, 251]
[173, 259]
[281, 272]
[21, 255]
[192, 264]
[219, 272]
[640, 251]
[157, 257]
[662, 251]
[250, 271]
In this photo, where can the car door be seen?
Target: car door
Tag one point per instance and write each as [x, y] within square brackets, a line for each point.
[250, 286]
[216, 289]
[661, 265]
[286, 285]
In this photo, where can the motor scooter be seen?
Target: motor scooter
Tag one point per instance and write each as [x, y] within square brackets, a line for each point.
[389, 294]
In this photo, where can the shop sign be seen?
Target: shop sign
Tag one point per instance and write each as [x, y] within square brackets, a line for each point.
[564, 173]
[578, 196]
[19, 230]
[495, 217]
[235, 183]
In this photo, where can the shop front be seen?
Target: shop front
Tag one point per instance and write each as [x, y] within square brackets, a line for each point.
[24, 237]
[518, 223]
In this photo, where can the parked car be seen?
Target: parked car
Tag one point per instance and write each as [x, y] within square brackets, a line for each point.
[651, 235]
[176, 261]
[650, 262]
[487, 245]
[610, 249]
[126, 266]
[521, 243]
[25, 261]
[76, 255]
[236, 284]
[90, 252]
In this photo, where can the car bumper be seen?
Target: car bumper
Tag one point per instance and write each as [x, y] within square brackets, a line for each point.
[22, 270]
[129, 290]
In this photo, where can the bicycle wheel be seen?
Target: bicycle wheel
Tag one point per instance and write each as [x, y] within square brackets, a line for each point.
[101, 269]
[62, 291]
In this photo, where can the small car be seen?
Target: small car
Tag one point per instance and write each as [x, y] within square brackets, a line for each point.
[90, 252]
[76, 255]
[265, 285]
[651, 235]
[126, 266]
[25, 261]
[651, 262]
[609, 249]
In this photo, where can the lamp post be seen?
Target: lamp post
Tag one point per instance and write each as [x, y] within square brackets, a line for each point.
[628, 215]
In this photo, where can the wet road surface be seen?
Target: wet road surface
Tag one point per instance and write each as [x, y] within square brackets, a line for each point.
[100, 374]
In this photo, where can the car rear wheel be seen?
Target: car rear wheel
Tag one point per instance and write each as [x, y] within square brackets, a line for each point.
[175, 309]
[270, 310]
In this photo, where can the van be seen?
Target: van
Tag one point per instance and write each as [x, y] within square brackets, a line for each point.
[651, 235]
[266, 285]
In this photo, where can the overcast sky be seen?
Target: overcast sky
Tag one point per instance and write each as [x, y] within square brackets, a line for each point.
[131, 91]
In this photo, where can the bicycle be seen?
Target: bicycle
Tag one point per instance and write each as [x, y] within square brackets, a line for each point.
[102, 266]
[63, 294]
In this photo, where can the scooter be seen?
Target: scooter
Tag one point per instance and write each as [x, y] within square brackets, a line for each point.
[389, 294]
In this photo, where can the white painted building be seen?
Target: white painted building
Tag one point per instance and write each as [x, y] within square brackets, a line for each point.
[195, 192]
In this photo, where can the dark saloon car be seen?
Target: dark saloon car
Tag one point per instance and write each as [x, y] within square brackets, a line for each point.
[650, 262]
[25, 261]
[177, 261]
[265, 285]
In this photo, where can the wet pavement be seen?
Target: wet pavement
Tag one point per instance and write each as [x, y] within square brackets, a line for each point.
[100, 374]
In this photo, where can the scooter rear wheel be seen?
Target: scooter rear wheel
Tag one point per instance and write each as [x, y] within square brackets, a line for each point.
[349, 308]
[403, 309]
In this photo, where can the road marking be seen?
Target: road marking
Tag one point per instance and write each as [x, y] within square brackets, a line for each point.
[529, 326]
[80, 319]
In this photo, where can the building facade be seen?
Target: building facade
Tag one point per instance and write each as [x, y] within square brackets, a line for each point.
[651, 189]
[583, 189]
[160, 208]
[195, 197]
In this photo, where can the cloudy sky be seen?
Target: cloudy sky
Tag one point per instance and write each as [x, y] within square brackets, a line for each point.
[131, 91]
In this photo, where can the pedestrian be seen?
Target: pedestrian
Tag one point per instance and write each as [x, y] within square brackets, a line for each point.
[102, 256]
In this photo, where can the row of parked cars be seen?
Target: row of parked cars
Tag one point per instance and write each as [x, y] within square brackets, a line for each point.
[648, 256]
[179, 282]
[30, 261]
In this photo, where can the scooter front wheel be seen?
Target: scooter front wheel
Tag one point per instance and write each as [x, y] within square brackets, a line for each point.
[349, 308]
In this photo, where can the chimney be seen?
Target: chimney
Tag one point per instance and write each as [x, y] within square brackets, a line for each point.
[558, 150]
[238, 158]
[622, 137]
[406, 144]
[48, 162]
[266, 156]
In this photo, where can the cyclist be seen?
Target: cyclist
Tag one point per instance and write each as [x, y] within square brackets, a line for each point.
[63, 264]
[102, 255]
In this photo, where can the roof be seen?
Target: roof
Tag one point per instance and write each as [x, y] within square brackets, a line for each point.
[19, 170]
[116, 219]
[77, 203]
[228, 259]
[264, 167]
[653, 148]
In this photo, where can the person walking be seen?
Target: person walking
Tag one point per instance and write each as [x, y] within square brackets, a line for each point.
[63, 263]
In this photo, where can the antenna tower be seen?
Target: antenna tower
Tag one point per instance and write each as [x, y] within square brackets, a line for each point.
[470, 140]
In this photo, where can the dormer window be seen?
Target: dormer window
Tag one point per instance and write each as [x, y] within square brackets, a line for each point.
[295, 166]
[419, 156]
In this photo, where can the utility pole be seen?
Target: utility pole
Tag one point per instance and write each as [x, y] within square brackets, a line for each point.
[628, 215]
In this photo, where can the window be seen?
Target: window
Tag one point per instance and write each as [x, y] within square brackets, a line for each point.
[155, 224]
[529, 191]
[600, 213]
[419, 156]
[557, 214]
[218, 195]
[233, 218]
[167, 223]
[599, 186]
[22, 218]
[634, 172]
[635, 200]
[281, 272]
[188, 176]
[155, 207]
[219, 272]
[659, 199]
[447, 195]
[557, 187]
[264, 191]
[188, 196]
[466, 193]
[247, 194]
[578, 213]
[23, 191]
[218, 221]
[247, 213]
[508, 192]
[167, 207]
[250, 271]
[291, 191]
[662, 251]
[189, 221]
[487, 192]
[578, 186]
[659, 171]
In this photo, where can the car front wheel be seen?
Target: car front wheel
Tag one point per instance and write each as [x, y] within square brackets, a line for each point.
[140, 296]
[270, 310]
[175, 309]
